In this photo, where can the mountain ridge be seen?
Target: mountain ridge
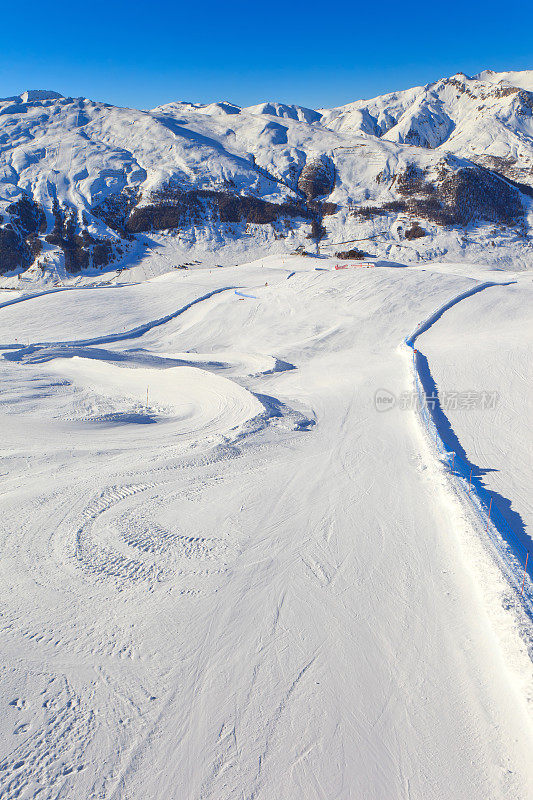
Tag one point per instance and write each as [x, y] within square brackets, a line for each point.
[82, 180]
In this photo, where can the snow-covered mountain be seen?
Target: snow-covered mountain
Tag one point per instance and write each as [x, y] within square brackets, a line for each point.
[485, 118]
[85, 185]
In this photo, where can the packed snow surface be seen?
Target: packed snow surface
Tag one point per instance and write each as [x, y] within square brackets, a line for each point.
[225, 573]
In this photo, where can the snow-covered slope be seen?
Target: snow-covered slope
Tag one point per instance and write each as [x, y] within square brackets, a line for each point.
[484, 116]
[498, 329]
[523, 78]
[85, 185]
[224, 573]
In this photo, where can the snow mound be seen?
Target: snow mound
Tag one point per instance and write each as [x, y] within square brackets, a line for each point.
[197, 401]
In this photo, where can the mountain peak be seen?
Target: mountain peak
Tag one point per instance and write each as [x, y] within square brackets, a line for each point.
[521, 78]
[39, 94]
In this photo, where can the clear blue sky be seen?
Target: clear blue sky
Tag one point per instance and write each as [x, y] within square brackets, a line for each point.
[315, 54]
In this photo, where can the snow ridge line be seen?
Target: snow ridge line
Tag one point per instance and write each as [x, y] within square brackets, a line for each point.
[75, 287]
[134, 333]
[427, 323]
[513, 555]
[33, 296]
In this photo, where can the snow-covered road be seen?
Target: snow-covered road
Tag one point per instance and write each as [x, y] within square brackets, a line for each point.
[254, 585]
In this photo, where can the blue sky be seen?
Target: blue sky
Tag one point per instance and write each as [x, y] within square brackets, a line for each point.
[315, 54]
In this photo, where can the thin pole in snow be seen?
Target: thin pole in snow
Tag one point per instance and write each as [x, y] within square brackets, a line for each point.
[524, 578]
[488, 518]
[147, 397]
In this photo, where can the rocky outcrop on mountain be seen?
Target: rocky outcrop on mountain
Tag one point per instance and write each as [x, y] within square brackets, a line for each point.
[317, 178]
[414, 232]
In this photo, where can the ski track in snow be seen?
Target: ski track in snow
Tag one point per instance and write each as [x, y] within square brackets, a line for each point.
[54, 751]
[433, 318]
[135, 333]
[268, 608]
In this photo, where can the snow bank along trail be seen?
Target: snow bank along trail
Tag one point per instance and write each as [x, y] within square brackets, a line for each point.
[504, 526]
[224, 605]
[501, 327]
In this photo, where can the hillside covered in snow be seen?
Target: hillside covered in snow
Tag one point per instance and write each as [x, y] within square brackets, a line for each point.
[226, 574]
[266, 529]
[441, 169]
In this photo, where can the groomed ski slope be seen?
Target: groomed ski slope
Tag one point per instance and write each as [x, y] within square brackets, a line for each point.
[504, 527]
[251, 583]
[493, 334]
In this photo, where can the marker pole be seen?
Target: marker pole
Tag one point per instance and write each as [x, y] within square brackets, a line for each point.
[488, 518]
[524, 578]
